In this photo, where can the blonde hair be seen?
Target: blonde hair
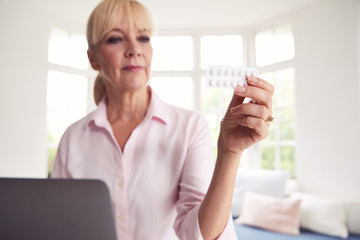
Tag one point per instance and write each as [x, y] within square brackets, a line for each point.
[108, 15]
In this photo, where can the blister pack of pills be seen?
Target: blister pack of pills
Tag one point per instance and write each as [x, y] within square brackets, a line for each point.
[224, 76]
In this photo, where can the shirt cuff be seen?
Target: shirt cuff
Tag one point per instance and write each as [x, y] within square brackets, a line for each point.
[227, 234]
[229, 231]
[190, 227]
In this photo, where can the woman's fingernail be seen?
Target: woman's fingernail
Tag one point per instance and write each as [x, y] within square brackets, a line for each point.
[240, 89]
[241, 121]
[234, 109]
[252, 79]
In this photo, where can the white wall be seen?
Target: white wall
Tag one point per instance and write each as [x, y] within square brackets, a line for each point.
[23, 64]
[358, 41]
[327, 98]
[25, 28]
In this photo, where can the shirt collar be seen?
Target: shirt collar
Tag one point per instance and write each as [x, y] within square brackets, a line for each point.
[158, 110]
[98, 117]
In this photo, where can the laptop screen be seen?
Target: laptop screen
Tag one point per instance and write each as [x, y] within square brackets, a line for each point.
[44, 209]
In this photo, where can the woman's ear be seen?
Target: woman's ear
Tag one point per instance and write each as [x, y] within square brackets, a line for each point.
[91, 56]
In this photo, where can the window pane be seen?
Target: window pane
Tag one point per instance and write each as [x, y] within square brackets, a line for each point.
[172, 53]
[221, 50]
[285, 87]
[78, 48]
[67, 49]
[59, 120]
[274, 45]
[214, 103]
[286, 123]
[284, 43]
[269, 77]
[59, 46]
[66, 91]
[264, 42]
[215, 99]
[51, 158]
[272, 132]
[268, 157]
[66, 102]
[174, 90]
[288, 160]
[213, 122]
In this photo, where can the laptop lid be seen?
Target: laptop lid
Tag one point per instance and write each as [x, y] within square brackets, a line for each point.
[52, 209]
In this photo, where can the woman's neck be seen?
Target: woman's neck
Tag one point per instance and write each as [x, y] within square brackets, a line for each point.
[127, 106]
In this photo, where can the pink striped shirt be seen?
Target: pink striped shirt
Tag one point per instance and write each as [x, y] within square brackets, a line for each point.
[160, 179]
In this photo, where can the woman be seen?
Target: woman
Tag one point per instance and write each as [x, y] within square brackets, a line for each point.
[156, 158]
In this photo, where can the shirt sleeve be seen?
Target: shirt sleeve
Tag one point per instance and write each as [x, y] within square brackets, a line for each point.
[194, 183]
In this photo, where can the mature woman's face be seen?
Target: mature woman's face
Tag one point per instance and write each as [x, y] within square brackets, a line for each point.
[123, 57]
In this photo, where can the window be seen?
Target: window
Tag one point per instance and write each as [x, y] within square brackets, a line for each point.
[274, 54]
[68, 49]
[67, 85]
[178, 76]
[274, 45]
[172, 68]
[172, 53]
[177, 66]
[175, 90]
[224, 50]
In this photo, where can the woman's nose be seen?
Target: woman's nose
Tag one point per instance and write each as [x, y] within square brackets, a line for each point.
[133, 49]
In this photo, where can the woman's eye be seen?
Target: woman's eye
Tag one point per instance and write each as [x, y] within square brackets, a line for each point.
[114, 39]
[144, 39]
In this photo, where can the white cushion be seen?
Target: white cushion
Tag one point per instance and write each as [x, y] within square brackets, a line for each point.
[266, 182]
[323, 215]
[354, 217]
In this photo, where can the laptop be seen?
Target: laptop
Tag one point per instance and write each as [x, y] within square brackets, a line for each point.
[55, 209]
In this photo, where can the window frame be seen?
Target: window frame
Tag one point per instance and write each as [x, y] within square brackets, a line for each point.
[249, 60]
[253, 157]
[196, 73]
[88, 73]
[275, 67]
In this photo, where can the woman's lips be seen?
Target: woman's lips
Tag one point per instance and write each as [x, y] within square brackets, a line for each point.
[133, 68]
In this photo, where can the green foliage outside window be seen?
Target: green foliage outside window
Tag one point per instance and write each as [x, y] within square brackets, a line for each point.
[268, 157]
[287, 160]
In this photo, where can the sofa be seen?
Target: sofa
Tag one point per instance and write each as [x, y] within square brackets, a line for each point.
[264, 208]
[251, 233]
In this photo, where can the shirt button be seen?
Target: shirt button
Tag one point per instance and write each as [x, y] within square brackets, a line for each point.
[121, 217]
[121, 184]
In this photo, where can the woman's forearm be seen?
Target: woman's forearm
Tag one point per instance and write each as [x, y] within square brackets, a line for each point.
[216, 207]
[243, 125]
